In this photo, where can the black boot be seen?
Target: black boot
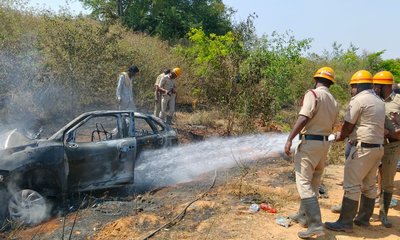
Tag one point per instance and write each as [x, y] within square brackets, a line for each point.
[365, 212]
[345, 221]
[300, 216]
[384, 209]
[313, 216]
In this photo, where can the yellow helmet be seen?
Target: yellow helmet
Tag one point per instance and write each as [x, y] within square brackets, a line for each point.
[362, 76]
[177, 71]
[383, 77]
[325, 72]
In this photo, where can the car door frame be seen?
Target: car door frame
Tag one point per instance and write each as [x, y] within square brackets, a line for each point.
[98, 169]
[150, 141]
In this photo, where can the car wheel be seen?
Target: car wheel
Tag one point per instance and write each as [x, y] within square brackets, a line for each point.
[28, 207]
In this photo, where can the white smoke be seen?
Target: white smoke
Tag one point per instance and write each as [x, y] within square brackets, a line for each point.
[28, 100]
[165, 166]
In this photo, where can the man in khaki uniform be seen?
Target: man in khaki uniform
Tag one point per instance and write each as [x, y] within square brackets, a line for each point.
[315, 122]
[168, 89]
[364, 125]
[157, 93]
[383, 82]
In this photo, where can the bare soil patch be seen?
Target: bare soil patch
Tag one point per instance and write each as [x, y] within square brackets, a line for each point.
[222, 214]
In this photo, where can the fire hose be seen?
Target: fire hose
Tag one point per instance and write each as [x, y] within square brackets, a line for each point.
[180, 216]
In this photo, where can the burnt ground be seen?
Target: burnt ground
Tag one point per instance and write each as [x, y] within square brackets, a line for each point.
[114, 216]
[222, 213]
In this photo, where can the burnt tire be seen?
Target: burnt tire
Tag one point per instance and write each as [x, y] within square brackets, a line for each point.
[27, 207]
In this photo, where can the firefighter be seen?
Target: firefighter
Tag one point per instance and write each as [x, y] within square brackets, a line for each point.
[157, 93]
[124, 89]
[364, 125]
[168, 89]
[315, 123]
[383, 82]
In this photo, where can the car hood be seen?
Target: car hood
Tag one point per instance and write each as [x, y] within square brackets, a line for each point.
[13, 138]
[14, 142]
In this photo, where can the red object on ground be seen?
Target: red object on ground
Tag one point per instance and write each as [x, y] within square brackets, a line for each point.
[268, 208]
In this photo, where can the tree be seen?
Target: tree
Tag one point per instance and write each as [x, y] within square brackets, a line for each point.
[216, 64]
[168, 19]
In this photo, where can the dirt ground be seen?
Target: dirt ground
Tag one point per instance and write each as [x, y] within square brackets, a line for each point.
[220, 213]
[223, 213]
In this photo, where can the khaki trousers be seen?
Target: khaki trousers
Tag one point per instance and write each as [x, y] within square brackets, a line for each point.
[309, 159]
[167, 106]
[389, 165]
[360, 172]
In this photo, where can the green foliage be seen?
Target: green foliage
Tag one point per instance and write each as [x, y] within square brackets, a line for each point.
[168, 19]
[215, 62]
[211, 56]
[377, 64]
[77, 53]
[102, 9]
[271, 71]
[268, 71]
[73, 63]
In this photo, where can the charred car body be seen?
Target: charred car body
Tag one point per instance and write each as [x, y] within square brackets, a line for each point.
[96, 150]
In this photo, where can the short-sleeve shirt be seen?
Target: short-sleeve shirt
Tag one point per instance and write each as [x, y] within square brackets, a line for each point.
[322, 111]
[158, 80]
[167, 83]
[367, 112]
[392, 113]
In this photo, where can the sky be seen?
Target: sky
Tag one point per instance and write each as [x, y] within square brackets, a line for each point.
[370, 25]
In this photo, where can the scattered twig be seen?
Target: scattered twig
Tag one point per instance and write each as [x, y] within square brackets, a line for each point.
[183, 212]
[37, 231]
[209, 230]
[5, 225]
[240, 164]
[63, 227]
[76, 216]
[244, 170]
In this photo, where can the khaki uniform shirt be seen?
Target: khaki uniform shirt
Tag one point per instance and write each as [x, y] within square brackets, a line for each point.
[392, 113]
[167, 83]
[367, 111]
[158, 80]
[322, 111]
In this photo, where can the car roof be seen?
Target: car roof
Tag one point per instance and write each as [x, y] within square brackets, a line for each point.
[93, 113]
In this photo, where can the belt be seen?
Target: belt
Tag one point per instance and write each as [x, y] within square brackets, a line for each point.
[313, 137]
[368, 145]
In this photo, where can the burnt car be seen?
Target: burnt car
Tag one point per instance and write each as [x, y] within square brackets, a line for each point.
[96, 150]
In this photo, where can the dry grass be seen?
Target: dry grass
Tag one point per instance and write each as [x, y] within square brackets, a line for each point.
[257, 186]
[200, 117]
[336, 153]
